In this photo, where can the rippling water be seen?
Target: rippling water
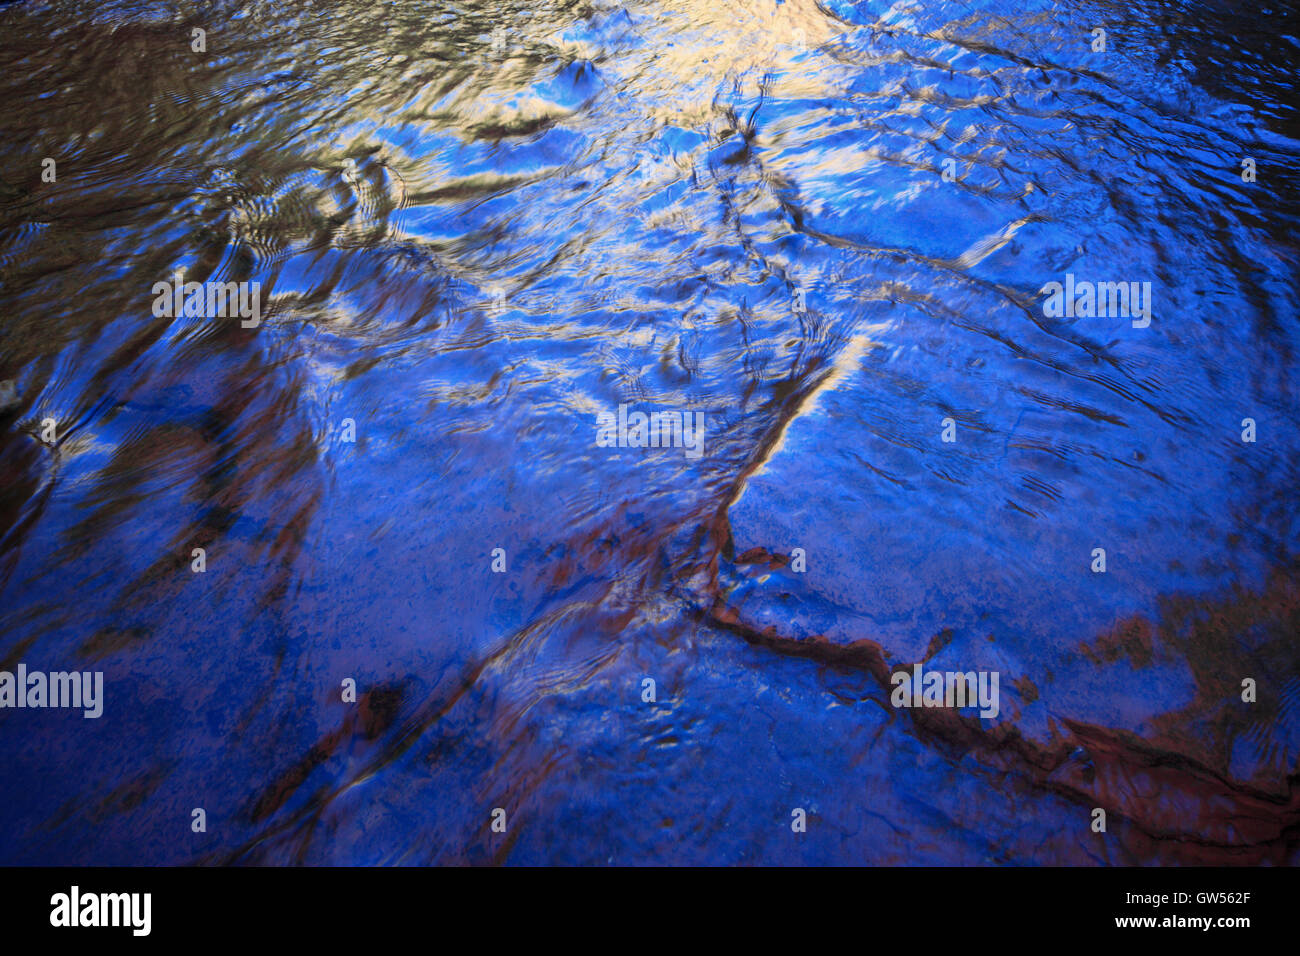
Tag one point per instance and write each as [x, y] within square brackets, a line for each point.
[478, 226]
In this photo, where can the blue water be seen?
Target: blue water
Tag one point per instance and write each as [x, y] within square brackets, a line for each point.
[477, 227]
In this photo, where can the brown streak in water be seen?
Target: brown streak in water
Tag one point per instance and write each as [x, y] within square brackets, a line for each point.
[1121, 765]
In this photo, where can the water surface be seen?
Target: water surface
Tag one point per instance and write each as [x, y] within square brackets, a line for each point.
[476, 227]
